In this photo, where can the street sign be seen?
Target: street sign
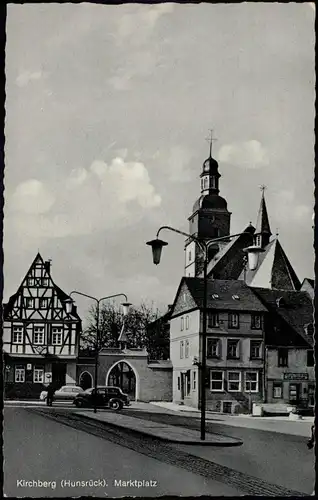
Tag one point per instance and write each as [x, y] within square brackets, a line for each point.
[296, 376]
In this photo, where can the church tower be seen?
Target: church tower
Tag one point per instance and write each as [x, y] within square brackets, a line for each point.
[263, 231]
[210, 217]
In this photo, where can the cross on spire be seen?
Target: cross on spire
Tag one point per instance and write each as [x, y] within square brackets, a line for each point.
[263, 188]
[210, 140]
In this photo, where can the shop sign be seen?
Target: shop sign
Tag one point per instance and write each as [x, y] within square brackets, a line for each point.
[48, 377]
[29, 366]
[296, 376]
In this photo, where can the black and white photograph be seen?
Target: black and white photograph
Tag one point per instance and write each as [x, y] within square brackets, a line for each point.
[158, 245]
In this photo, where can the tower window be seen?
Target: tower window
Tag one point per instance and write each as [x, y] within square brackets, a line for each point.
[213, 181]
[206, 182]
[258, 240]
[189, 256]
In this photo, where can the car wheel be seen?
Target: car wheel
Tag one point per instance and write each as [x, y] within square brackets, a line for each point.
[115, 404]
[78, 404]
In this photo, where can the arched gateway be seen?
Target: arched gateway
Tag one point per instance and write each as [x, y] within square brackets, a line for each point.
[122, 374]
[86, 380]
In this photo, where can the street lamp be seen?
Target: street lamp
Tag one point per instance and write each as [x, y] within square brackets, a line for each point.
[69, 303]
[253, 255]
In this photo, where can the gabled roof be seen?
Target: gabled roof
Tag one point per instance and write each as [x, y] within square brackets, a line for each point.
[294, 308]
[231, 295]
[274, 270]
[60, 294]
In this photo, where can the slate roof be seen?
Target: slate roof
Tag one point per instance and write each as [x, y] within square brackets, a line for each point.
[225, 289]
[274, 270]
[296, 308]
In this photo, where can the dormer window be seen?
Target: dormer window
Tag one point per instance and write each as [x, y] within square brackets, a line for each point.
[258, 240]
[280, 302]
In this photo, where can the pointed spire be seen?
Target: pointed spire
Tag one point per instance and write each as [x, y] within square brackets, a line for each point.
[262, 225]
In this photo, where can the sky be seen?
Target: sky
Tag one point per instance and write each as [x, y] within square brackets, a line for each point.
[107, 113]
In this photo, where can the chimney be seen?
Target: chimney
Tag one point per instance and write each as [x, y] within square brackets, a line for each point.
[47, 265]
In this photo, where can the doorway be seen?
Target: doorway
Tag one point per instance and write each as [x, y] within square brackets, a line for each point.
[123, 376]
[58, 374]
[86, 380]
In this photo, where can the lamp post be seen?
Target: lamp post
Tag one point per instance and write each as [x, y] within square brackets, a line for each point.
[253, 254]
[69, 306]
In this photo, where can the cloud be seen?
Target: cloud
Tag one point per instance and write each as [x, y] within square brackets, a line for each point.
[102, 197]
[249, 154]
[32, 197]
[26, 77]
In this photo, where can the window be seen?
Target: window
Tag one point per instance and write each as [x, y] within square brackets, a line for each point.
[310, 358]
[181, 349]
[258, 241]
[17, 335]
[38, 375]
[216, 381]
[29, 303]
[187, 322]
[234, 320]
[194, 380]
[256, 322]
[277, 390]
[19, 374]
[234, 381]
[212, 348]
[38, 335]
[178, 383]
[282, 354]
[213, 320]
[43, 303]
[251, 382]
[30, 282]
[186, 351]
[215, 296]
[205, 182]
[212, 180]
[255, 349]
[189, 256]
[45, 281]
[188, 382]
[232, 349]
[182, 324]
[56, 336]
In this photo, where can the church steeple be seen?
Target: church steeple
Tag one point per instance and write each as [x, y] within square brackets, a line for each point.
[210, 217]
[263, 231]
[210, 173]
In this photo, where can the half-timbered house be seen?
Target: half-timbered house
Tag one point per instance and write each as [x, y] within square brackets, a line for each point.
[40, 340]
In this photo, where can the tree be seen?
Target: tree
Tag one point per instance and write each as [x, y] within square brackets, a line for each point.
[144, 326]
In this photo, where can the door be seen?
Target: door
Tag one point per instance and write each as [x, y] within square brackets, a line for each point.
[182, 377]
[294, 393]
[311, 395]
[58, 374]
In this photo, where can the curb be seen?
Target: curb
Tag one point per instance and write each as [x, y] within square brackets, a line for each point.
[226, 444]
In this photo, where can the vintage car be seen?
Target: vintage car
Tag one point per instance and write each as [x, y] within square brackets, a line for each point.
[65, 393]
[105, 396]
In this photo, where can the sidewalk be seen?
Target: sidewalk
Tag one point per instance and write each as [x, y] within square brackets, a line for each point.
[282, 425]
[164, 432]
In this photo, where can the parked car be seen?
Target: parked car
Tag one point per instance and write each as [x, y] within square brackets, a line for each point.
[106, 396]
[65, 393]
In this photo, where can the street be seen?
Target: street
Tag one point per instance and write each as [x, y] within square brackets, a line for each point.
[36, 448]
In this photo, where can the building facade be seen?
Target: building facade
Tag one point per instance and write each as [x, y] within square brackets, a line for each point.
[40, 340]
[234, 345]
[289, 338]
